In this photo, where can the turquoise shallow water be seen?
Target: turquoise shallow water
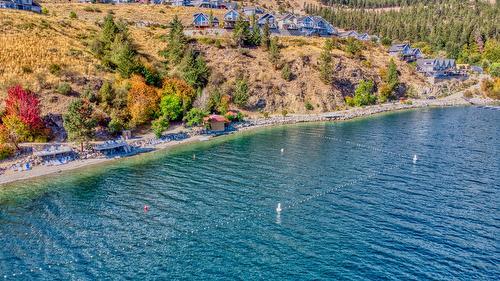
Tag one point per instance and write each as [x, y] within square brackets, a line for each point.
[355, 207]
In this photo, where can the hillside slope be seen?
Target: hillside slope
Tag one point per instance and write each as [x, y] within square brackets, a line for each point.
[43, 51]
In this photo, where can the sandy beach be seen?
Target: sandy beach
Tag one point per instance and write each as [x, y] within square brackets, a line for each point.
[454, 100]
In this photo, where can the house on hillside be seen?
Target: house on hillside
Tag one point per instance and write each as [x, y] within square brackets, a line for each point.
[230, 19]
[347, 34]
[363, 37]
[229, 5]
[288, 22]
[201, 20]
[396, 50]
[415, 54]
[181, 3]
[315, 26]
[270, 19]
[214, 4]
[405, 52]
[437, 68]
[25, 5]
[252, 11]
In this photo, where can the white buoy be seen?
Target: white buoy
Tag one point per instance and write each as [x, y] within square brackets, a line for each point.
[194, 156]
[415, 158]
[278, 209]
[282, 150]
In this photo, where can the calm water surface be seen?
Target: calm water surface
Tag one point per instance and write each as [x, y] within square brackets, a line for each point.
[351, 212]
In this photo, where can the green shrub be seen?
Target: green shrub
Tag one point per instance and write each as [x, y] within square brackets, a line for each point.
[159, 125]
[284, 112]
[494, 69]
[240, 97]
[64, 89]
[89, 95]
[116, 125]
[72, 15]
[308, 105]
[6, 151]
[26, 69]
[286, 72]
[106, 95]
[194, 117]
[218, 44]
[45, 11]
[171, 107]
[386, 41]
[353, 47]
[218, 102]
[363, 95]
[55, 69]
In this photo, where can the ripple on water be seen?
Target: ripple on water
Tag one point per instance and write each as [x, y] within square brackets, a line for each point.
[360, 209]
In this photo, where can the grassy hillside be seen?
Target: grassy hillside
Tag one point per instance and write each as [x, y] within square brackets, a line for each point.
[42, 52]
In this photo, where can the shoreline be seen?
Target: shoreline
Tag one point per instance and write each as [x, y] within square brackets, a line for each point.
[248, 125]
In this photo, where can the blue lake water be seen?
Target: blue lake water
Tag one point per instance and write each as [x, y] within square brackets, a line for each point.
[355, 207]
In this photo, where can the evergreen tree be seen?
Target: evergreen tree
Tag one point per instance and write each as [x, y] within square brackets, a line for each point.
[176, 42]
[392, 74]
[114, 48]
[79, 121]
[447, 25]
[326, 63]
[241, 32]
[194, 69]
[266, 37]
[256, 36]
[240, 97]
[274, 52]
[286, 72]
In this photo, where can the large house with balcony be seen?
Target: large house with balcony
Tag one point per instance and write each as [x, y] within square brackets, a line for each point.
[25, 5]
[315, 26]
[214, 4]
[252, 11]
[405, 52]
[270, 19]
[201, 20]
[230, 19]
[180, 3]
[437, 68]
[288, 22]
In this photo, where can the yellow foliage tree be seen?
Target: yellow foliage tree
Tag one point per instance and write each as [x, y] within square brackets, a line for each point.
[142, 101]
[181, 89]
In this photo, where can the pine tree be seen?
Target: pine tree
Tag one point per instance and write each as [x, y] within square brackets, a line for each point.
[266, 37]
[326, 63]
[176, 42]
[79, 121]
[194, 69]
[241, 32]
[256, 36]
[274, 52]
[392, 78]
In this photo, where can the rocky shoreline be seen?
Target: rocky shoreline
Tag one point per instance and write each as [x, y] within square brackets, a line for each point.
[149, 144]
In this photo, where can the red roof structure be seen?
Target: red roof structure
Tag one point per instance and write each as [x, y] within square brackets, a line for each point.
[216, 118]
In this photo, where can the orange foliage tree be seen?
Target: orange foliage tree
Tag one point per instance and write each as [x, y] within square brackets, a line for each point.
[142, 101]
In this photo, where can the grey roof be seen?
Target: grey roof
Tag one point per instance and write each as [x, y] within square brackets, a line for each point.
[415, 51]
[397, 47]
[287, 16]
[429, 65]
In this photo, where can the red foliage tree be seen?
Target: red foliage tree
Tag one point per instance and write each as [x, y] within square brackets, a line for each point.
[26, 105]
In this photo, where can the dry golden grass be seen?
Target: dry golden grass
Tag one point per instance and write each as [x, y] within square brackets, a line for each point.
[31, 43]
